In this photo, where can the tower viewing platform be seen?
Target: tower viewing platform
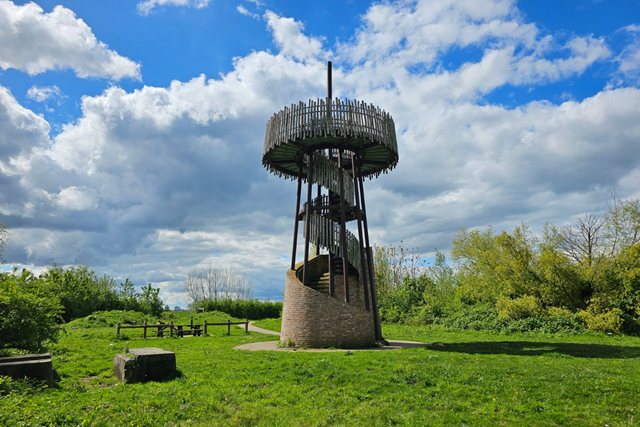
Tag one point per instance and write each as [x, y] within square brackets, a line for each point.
[331, 144]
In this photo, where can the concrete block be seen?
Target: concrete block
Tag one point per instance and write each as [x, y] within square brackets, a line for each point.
[35, 366]
[144, 364]
[124, 367]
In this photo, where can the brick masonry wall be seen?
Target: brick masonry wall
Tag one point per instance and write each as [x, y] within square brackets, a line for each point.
[313, 319]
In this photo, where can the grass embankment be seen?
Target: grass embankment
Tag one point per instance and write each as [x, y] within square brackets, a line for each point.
[476, 379]
[269, 324]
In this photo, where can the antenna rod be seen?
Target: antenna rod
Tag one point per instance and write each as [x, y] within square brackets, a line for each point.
[329, 80]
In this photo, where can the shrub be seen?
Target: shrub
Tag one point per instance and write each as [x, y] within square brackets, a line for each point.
[30, 311]
[252, 309]
[605, 321]
[485, 317]
[405, 299]
[519, 308]
[82, 292]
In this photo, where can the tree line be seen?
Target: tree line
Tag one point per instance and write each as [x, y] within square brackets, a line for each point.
[572, 277]
[33, 308]
[228, 290]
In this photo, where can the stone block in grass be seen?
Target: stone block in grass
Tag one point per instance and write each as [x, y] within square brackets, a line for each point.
[144, 364]
[34, 366]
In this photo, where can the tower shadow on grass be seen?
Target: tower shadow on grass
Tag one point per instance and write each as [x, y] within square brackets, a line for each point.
[526, 348]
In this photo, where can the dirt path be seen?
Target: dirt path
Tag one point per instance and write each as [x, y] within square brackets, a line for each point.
[262, 331]
[273, 345]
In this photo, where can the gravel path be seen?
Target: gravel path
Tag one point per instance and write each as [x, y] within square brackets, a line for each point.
[273, 345]
[262, 331]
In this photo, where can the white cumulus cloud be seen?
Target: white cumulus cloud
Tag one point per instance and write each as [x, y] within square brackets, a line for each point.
[629, 58]
[42, 94]
[147, 6]
[34, 42]
[288, 36]
[243, 10]
[76, 198]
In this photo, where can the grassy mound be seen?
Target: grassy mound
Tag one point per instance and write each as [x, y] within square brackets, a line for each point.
[101, 319]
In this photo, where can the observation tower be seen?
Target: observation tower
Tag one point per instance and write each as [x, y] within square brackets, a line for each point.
[330, 299]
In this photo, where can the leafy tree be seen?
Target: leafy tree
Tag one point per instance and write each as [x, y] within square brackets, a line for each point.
[513, 265]
[150, 301]
[440, 297]
[478, 256]
[82, 292]
[29, 311]
[622, 224]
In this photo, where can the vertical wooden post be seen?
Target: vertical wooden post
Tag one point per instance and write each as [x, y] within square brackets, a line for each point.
[171, 330]
[228, 326]
[295, 227]
[205, 327]
[246, 326]
[317, 242]
[374, 292]
[331, 233]
[343, 229]
[359, 220]
[329, 96]
[118, 329]
[144, 334]
[192, 323]
[305, 277]
[329, 83]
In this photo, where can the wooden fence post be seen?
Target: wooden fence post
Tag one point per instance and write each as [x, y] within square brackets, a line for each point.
[144, 334]
[192, 323]
[205, 327]
[171, 330]
[118, 329]
[246, 326]
[228, 326]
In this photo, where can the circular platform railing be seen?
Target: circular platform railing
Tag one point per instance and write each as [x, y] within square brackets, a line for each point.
[363, 129]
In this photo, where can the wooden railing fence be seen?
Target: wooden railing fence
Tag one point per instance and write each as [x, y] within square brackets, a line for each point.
[195, 330]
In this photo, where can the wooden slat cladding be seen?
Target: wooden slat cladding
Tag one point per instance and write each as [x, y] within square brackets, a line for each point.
[327, 233]
[335, 123]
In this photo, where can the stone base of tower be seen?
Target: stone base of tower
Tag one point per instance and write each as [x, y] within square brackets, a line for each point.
[316, 320]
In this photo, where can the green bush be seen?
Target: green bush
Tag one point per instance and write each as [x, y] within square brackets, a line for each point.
[29, 311]
[252, 309]
[402, 301]
[82, 292]
[606, 321]
[485, 317]
[519, 308]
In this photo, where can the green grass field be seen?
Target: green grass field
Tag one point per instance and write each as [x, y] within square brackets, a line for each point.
[269, 324]
[477, 379]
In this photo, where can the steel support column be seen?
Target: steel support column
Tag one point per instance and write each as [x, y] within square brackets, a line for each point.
[295, 227]
[374, 293]
[361, 239]
[343, 229]
[307, 224]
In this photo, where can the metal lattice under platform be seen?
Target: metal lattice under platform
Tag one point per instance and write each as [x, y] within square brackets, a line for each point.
[332, 144]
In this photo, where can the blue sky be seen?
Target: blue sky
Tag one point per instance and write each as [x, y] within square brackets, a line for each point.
[131, 133]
